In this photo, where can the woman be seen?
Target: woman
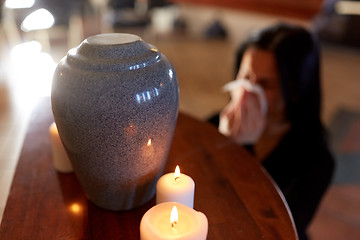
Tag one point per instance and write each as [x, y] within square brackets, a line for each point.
[289, 138]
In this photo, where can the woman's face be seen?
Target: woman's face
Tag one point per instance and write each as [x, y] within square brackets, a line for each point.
[259, 66]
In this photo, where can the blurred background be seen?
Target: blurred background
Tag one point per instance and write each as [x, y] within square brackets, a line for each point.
[200, 38]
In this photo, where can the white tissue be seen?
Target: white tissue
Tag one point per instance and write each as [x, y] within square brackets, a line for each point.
[255, 88]
[224, 124]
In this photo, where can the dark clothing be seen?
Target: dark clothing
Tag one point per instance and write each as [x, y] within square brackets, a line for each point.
[302, 166]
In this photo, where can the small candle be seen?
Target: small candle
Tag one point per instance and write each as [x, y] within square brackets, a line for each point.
[172, 220]
[60, 158]
[175, 187]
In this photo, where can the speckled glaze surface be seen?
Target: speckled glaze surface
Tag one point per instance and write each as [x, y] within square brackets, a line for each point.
[115, 102]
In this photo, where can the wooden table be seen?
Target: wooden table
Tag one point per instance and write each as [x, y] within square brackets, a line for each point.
[232, 189]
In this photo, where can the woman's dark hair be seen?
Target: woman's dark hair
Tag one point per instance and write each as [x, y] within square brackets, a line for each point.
[297, 57]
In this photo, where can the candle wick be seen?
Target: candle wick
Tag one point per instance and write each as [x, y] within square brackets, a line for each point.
[176, 178]
[173, 224]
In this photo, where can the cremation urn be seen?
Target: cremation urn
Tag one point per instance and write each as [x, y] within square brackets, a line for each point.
[115, 102]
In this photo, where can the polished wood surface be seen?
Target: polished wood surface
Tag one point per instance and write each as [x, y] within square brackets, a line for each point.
[232, 190]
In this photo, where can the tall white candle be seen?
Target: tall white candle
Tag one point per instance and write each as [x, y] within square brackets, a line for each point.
[175, 187]
[60, 158]
[160, 223]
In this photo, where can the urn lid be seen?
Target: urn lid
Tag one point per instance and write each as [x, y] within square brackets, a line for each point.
[113, 52]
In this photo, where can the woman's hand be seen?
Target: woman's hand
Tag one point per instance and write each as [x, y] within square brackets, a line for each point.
[243, 119]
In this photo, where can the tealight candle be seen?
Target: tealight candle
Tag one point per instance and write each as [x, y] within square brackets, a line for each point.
[172, 220]
[60, 158]
[175, 187]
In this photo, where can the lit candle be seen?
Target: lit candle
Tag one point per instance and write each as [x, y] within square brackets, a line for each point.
[172, 220]
[175, 187]
[60, 158]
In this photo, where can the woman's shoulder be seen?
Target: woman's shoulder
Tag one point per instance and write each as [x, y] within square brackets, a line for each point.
[300, 152]
[306, 135]
[304, 145]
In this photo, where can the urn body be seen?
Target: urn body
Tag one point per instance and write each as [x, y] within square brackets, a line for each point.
[115, 102]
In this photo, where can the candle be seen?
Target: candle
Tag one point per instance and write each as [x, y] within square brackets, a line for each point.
[175, 187]
[172, 220]
[60, 158]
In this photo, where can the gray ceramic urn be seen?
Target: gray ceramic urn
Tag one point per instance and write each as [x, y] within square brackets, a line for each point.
[115, 103]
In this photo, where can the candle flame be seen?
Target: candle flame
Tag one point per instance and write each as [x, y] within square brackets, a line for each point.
[149, 142]
[174, 216]
[177, 172]
[75, 208]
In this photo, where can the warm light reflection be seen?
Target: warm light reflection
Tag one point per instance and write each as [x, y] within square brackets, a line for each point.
[347, 7]
[177, 172]
[148, 150]
[19, 3]
[39, 19]
[174, 216]
[31, 70]
[75, 208]
[130, 130]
